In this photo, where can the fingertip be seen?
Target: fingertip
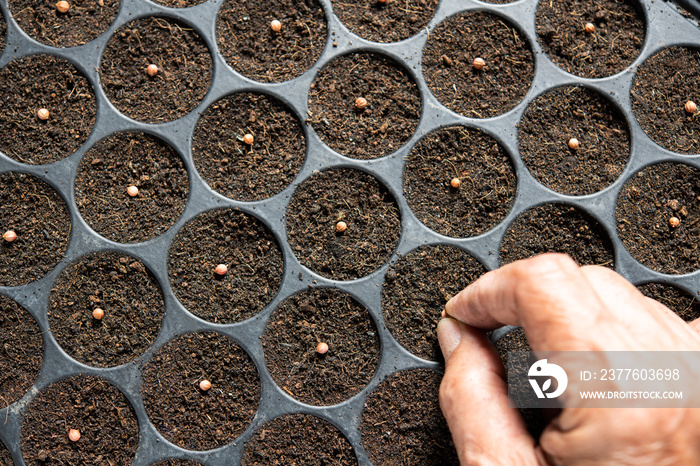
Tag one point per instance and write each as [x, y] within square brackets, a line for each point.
[449, 334]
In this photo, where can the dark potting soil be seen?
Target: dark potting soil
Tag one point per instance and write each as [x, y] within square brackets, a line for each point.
[250, 47]
[298, 440]
[185, 414]
[557, 228]
[83, 22]
[37, 214]
[384, 125]
[131, 159]
[487, 181]
[43, 81]
[316, 316]
[109, 431]
[5, 457]
[402, 423]
[351, 196]
[662, 86]
[3, 31]
[22, 352]
[248, 172]
[554, 118]
[614, 44]
[241, 242]
[176, 462]
[685, 305]
[388, 21]
[180, 4]
[416, 289]
[451, 77]
[184, 69]
[128, 294]
[645, 207]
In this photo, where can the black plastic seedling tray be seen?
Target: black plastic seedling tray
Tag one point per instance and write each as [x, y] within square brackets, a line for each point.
[665, 27]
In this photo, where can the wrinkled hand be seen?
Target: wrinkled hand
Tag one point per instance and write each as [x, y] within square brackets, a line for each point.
[561, 307]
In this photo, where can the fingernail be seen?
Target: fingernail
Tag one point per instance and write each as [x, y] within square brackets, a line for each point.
[449, 336]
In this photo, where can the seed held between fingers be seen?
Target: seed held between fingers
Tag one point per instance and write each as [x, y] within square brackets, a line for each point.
[690, 107]
[322, 348]
[9, 236]
[275, 25]
[152, 70]
[479, 63]
[204, 385]
[62, 6]
[74, 435]
[43, 114]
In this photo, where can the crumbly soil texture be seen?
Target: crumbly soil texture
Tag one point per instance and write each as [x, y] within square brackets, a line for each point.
[384, 125]
[188, 416]
[388, 21]
[614, 44]
[3, 31]
[83, 22]
[109, 431]
[184, 70]
[662, 86]
[298, 440]
[645, 207]
[128, 294]
[685, 305]
[248, 172]
[252, 48]
[22, 352]
[42, 81]
[451, 77]
[131, 159]
[485, 173]
[402, 423]
[416, 289]
[176, 462]
[235, 239]
[5, 457]
[37, 214]
[366, 207]
[574, 112]
[327, 316]
[557, 228]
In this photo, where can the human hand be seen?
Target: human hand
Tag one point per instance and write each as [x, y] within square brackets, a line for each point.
[561, 307]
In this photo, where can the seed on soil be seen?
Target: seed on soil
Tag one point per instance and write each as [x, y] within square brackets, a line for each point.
[690, 107]
[74, 435]
[248, 139]
[322, 348]
[589, 27]
[381, 1]
[152, 70]
[204, 385]
[455, 183]
[132, 191]
[62, 6]
[674, 222]
[221, 269]
[43, 114]
[98, 314]
[360, 103]
[9, 236]
[574, 144]
[479, 63]
[340, 227]
[275, 25]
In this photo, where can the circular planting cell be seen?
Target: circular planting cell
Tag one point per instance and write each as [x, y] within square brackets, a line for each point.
[608, 47]
[416, 289]
[364, 105]
[298, 362]
[22, 352]
[84, 21]
[402, 422]
[574, 141]
[387, 20]
[448, 64]
[184, 69]
[37, 215]
[129, 297]
[682, 303]
[557, 228]
[65, 98]
[248, 250]
[299, 439]
[658, 217]
[250, 46]
[116, 164]
[178, 404]
[662, 86]
[107, 426]
[459, 181]
[246, 171]
[343, 224]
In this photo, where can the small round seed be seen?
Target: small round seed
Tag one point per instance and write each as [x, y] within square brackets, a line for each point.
[340, 227]
[690, 107]
[43, 114]
[674, 222]
[221, 270]
[132, 191]
[152, 70]
[456, 183]
[360, 103]
[204, 385]
[275, 25]
[62, 6]
[98, 314]
[9, 236]
[322, 348]
[589, 27]
[479, 63]
[74, 435]
[248, 139]
[574, 144]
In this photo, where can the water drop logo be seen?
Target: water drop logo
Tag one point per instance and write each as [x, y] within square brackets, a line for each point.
[542, 369]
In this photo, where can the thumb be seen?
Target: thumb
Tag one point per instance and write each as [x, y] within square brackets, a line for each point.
[474, 401]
